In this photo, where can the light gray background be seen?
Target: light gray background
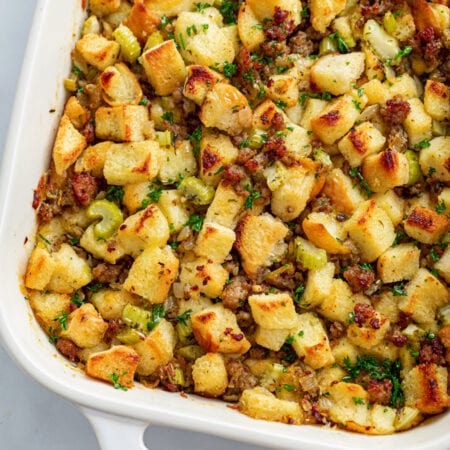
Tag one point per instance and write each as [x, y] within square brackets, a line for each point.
[31, 417]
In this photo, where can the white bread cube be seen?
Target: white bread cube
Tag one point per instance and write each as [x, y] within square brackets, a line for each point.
[203, 276]
[142, 21]
[119, 361]
[177, 163]
[435, 160]
[336, 73]
[417, 123]
[398, 263]
[69, 144]
[169, 8]
[85, 326]
[392, 204]
[40, 268]
[297, 142]
[426, 225]
[225, 207]
[444, 200]
[342, 192]
[371, 229]
[120, 86]
[265, 9]
[210, 375]
[216, 151]
[104, 7]
[146, 228]
[385, 170]
[318, 285]
[404, 86]
[215, 242]
[130, 163]
[271, 339]
[283, 87]
[361, 141]
[109, 250]
[323, 12]
[157, 348]
[424, 295]
[260, 403]
[134, 194]
[336, 119]
[437, 100]
[77, 113]
[365, 335]
[98, 51]
[93, 158]
[342, 349]
[387, 303]
[273, 311]
[376, 91]
[311, 342]
[249, 27]
[216, 330]
[123, 123]
[257, 240]
[443, 265]
[111, 302]
[313, 107]
[172, 203]
[339, 303]
[382, 419]
[164, 67]
[374, 70]
[152, 274]
[227, 109]
[199, 81]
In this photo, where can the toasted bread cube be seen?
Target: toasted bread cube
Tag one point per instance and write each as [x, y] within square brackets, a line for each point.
[225, 207]
[425, 225]
[342, 192]
[387, 303]
[202, 276]
[103, 7]
[313, 108]
[177, 163]
[142, 21]
[123, 123]
[172, 203]
[336, 119]
[443, 265]
[210, 375]
[47, 307]
[152, 274]
[215, 242]
[361, 141]
[77, 113]
[431, 15]
[146, 228]
[85, 326]
[258, 240]
[365, 335]
[323, 12]
[169, 8]
[404, 86]
[199, 81]
[69, 144]
[424, 295]
[398, 263]
[407, 418]
[109, 250]
[376, 91]
[260, 403]
[318, 285]
[311, 342]
[216, 151]
[385, 170]
[120, 86]
[273, 311]
[425, 388]
[324, 231]
[227, 109]
[443, 200]
[249, 27]
[216, 330]
[437, 100]
[371, 229]
[265, 9]
[110, 302]
[134, 194]
[393, 205]
[98, 51]
[417, 123]
[297, 142]
[435, 160]
[39, 269]
[116, 365]
[283, 87]
[157, 348]
[382, 419]
[271, 339]
[93, 158]
[342, 348]
[164, 67]
[132, 162]
[336, 73]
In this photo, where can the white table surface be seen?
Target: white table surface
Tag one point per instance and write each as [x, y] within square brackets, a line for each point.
[31, 417]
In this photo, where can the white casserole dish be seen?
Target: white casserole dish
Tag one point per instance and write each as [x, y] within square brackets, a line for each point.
[118, 417]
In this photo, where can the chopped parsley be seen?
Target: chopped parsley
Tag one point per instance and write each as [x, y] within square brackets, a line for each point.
[199, 7]
[398, 237]
[351, 317]
[304, 13]
[358, 401]
[342, 46]
[431, 170]
[252, 195]
[74, 240]
[144, 101]
[399, 290]
[440, 207]
[76, 300]
[195, 222]
[321, 95]
[357, 105]
[77, 71]
[195, 138]
[290, 339]
[94, 287]
[355, 173]
[229, 10]
[289, 387]
[158, 313]
[405, 51]
[115, 381]
[115, 194]
[229, 69]
[422, 144]
[168, 116]
[434, 255]
[365, 266]
[182, 318]
[62, 319]
[165, 22]
[298, 293]
[43, 238]
[281, 104]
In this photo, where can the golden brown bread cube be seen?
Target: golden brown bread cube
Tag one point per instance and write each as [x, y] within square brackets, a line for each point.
[116, 365]
[283, 87]
[318, 285]
[339, 303]
[215, 242]
[271, 339]
[85, 326]
[141, 21]
[123, 123]
[257, 240]
[417, 123]
[199, 81]
[93, 158]
[156, 349]
[249, 27]
[210, 375]
[437, 100]
[216, 330]
[111, 302]
[443, 265]
[365, 335]
[135, 194]
[69, 144]
[40, 268]
[398, 263]
[109, 250]
[323, 12]
[169, 7]
[173, 205]
[98, 51]
[425, 225]
[435, 160]
[77, 113]
[392, 204]
[103, 7]
[152, 274]
[265, 9]
[164, 67]
[273, 311]
[342, 349]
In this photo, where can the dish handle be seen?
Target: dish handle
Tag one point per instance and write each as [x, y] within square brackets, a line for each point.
[116, 432]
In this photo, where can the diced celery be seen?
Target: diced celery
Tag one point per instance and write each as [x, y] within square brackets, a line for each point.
[197, 191]
[383, 44]
[136, 317]
[70, 84]
[310, 256]
[91, 26]
[271, 374]
[413, 333]
[164, 138]
[275, 175]
[322, 156]
[439, 129]
[191, 352]
[129, 45]
[444, 315]
[288, 269]
[327, 45]
[110, 214]
[153, 40]
[177, 377]
[256, 139]
[184, 331]
[389, 22]
[130, 336]
[414, 168]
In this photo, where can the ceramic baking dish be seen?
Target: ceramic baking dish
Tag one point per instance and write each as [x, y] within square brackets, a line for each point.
[118, 417]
